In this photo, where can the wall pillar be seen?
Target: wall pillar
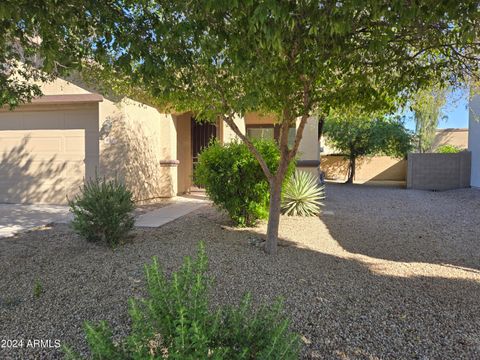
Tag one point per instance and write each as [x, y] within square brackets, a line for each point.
[227, 134]
[309, 148]
[474, 139]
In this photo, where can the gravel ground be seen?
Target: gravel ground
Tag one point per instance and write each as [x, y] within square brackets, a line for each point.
[386, 273]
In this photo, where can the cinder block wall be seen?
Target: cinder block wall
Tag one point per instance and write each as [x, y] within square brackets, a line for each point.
[439, 171]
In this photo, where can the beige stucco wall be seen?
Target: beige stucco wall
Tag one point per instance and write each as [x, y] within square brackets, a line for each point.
[377, 168]
[309, 148]
[227, 135]
[184, 152]
[139, 138]
[253, 118]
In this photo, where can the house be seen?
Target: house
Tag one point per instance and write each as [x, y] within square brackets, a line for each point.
[49, 146]
[474, 138]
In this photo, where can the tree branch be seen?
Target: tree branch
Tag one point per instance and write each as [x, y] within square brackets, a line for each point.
[303, 121]
[229, 120]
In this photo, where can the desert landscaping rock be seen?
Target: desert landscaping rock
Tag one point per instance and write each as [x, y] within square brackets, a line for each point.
[392, 274]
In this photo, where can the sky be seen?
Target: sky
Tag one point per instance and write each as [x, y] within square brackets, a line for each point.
[456, 110]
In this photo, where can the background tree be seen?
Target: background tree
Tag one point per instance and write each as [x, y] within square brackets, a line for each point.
[363, 135]
[221, 59]
[427, 107]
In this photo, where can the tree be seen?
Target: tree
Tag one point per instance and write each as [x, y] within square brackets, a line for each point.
[290, 59]
[42, 39]
[363, 135]
[427, 107]
[221, 59]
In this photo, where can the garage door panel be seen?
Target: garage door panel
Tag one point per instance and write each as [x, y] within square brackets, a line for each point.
[82, 119]
[75, 144]
[11, 121]
[44, 120]
[46, 164]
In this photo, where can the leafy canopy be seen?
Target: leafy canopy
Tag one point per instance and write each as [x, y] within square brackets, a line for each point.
[364, 135]
[288, 58]
[42, 39]
[448, 149]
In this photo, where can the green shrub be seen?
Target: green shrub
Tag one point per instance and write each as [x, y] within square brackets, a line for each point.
[448, 149]
[102, 211]
[175, 321]
[37, 288]
[302, 194]
[234, 180]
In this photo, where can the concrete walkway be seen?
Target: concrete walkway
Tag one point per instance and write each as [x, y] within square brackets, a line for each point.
[15, 218]
[180, 206]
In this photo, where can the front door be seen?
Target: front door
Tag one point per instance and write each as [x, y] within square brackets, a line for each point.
[202, 134]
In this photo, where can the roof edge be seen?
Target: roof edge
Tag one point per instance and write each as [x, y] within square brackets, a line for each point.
[66, 99]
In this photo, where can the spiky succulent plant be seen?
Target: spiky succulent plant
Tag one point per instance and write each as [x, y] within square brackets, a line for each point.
[302, 195]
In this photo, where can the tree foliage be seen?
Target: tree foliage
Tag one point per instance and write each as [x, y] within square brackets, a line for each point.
[42, 39]
[427, 107]
[366, 135]
[223, 58]
[448, 149]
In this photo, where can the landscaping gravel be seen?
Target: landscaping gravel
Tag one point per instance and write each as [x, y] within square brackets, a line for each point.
[384, 273]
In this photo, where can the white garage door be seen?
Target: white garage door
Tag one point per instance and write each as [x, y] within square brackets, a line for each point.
[46, 154]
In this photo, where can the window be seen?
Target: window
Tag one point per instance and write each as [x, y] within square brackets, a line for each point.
[269, 132]
[266, 133]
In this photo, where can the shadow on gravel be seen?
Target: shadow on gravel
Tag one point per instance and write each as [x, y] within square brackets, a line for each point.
[406, 225]
[339, 306]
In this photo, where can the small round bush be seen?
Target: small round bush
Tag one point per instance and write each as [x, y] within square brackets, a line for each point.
[234, 180]
[102, 211]
[448, 149]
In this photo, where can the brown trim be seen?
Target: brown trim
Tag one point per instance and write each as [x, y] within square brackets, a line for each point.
[259, 126]
[169, 163]
[308, 163]
[66, 99]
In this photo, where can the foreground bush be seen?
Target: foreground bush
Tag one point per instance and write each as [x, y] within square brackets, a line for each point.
[302, 195]
[175, 321]
[234, 180]
[102, 211]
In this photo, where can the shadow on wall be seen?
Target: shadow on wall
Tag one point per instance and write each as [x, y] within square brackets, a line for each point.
[377, 168]
[395, 172]
[335, 167]
[455, 137]
[128, 155]
[25, 178]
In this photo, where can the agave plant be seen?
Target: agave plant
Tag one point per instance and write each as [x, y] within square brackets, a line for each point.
[302, 195]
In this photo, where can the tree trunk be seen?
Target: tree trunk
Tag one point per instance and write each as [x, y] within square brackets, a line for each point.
[274, 215]
[351, 170]
[275, 180]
